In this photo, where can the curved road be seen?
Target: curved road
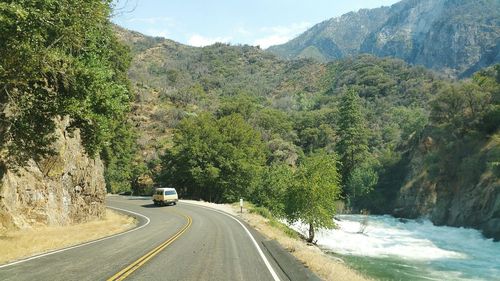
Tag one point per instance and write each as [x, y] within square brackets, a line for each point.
[192, 243]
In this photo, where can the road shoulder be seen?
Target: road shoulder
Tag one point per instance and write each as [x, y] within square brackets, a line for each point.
[27, 244]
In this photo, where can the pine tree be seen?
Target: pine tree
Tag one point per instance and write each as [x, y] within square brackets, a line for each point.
[353, 144]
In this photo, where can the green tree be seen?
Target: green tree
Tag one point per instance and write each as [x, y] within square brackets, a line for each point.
[59, 58]
[362, 180]
[311, 196]
[272, 190]
[119, 157]
[273, 122]
[218, 160]
[352, 132]
[62, 58]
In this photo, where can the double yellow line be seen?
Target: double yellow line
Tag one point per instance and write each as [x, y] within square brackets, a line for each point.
[124, 273]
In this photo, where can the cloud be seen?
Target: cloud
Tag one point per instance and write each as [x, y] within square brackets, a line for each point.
[200, 41]
[280, 34]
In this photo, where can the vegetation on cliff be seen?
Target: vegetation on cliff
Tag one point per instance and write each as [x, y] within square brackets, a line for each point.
[62, 58]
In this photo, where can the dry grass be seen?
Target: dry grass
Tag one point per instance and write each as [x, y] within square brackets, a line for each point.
[17, 244]
[325, 266]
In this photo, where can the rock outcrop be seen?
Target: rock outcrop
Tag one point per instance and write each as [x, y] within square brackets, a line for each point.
[465, 194]
[457, 37]
[65, 188]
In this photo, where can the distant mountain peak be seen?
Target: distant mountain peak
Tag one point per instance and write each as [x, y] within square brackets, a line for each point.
[457, 37]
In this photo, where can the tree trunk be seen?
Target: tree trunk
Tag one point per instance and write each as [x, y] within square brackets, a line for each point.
[311, 233]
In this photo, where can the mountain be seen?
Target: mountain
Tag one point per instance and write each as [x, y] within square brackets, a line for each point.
[433, 142]
[457, 37]
[172, 81]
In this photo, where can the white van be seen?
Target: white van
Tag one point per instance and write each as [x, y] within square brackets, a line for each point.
[165, 196]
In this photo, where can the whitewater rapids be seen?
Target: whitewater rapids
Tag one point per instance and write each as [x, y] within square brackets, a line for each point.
[412, 249]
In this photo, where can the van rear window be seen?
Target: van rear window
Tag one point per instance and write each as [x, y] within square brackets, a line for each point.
[159, 192]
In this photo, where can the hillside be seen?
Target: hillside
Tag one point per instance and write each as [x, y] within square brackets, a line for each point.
[295, 108]
[173, 81]
[457, 37]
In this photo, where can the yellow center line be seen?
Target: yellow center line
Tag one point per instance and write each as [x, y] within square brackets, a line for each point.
[124, 273]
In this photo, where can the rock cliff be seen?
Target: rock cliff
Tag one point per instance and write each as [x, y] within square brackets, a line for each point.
[465, 193]
[65, 188]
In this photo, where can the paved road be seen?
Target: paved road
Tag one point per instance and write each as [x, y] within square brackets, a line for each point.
[212, 246]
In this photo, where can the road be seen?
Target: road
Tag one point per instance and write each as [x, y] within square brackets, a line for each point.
[183, 242]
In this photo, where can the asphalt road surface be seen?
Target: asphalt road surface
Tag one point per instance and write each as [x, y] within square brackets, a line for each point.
[183, 242]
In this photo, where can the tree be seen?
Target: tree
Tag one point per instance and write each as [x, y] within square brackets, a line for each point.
[272, 190]
[362, 180]
[353, 144]
[273, 123]
[121, 167]
[311, 196]
[59, 58]
[218, 160]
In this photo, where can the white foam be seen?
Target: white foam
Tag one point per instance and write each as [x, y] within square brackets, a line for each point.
[457, 251]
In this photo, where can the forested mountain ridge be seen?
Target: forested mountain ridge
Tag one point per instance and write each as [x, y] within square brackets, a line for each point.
[224, 121]
[458, 37]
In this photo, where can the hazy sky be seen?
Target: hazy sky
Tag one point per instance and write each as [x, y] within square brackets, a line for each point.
[253, 22]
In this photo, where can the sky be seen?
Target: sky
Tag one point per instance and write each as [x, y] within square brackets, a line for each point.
[253, 22]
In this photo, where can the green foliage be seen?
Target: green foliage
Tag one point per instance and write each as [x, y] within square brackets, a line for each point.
[362, 180]
[460, 120]
[377, 114]
[314, 130]
[262, 211]
[59, 58]
[119, 156]
[282, 151]
[315, 188]
[218, 160]
[271, 191]
[242, 104]
[273, 122]
[353, 144]
[272, 221]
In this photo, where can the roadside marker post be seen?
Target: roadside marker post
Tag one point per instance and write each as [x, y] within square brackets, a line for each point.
[241, 205]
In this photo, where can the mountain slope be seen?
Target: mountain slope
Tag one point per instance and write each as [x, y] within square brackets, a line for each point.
[294, 104]
[335, 38]
[458, 37]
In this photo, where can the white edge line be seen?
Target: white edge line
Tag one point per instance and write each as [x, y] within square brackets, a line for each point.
[86, 243]
[268, 265]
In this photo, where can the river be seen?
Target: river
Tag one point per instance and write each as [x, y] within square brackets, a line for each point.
[392, 249]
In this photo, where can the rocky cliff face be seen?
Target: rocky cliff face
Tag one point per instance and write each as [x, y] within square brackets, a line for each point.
[335, 38]
[458, 37]
[466, 194]
[65, 188]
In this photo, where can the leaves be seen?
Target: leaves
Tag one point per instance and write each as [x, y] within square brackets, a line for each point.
[312, 194]
[218, 160]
